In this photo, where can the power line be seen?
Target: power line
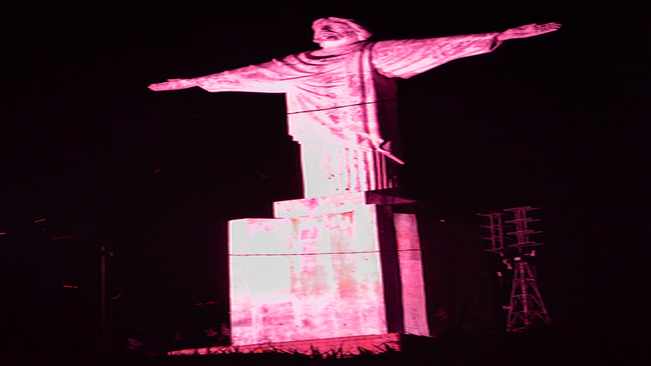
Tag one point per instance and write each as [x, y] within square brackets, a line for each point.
[525, 302]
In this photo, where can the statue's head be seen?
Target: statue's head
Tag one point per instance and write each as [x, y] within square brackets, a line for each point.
[333, 32]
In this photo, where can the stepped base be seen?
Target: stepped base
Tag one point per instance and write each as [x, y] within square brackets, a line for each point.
[330, 267]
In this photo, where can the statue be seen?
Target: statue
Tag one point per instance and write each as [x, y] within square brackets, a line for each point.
[341, 99]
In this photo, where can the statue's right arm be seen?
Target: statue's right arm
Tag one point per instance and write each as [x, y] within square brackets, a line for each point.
[173, 84]
[269, 77]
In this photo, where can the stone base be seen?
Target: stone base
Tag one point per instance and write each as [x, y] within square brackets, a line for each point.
[334, 267]
[337, 347]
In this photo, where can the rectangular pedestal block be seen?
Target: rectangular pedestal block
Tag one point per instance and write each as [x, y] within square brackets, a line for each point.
[330, 267]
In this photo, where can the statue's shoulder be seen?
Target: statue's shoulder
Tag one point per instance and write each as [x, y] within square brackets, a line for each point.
[393, 42]
[337, 51]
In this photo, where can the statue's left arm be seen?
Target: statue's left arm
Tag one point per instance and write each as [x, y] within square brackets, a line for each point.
[529, 30]
[406, 58]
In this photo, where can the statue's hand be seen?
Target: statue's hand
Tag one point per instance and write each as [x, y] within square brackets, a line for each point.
[173, 84]
[528, 30]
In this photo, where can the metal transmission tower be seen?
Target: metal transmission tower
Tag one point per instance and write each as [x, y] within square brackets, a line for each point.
[526, 303]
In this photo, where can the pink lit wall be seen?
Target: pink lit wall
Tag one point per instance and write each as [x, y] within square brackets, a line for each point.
[325, 275]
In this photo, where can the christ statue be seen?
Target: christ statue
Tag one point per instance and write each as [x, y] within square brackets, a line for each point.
[341, 98]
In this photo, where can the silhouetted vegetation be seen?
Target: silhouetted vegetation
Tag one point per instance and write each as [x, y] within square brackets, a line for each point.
[544, 347]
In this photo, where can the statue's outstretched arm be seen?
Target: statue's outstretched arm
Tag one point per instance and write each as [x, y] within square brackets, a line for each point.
[528, 30]
[173, 84]
[269, 77]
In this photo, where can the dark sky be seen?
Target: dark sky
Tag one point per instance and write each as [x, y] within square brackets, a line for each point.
[556, 121]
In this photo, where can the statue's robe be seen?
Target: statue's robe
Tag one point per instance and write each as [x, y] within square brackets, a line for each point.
[341, 104]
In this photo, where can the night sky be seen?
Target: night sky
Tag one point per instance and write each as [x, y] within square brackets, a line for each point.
[556, 121]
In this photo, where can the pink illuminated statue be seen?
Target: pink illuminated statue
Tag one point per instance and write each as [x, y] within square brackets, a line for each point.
[341, 99]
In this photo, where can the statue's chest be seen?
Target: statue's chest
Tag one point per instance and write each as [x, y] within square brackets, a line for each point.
[334, 71]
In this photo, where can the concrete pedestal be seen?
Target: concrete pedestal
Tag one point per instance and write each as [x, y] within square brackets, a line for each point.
[331, 267]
